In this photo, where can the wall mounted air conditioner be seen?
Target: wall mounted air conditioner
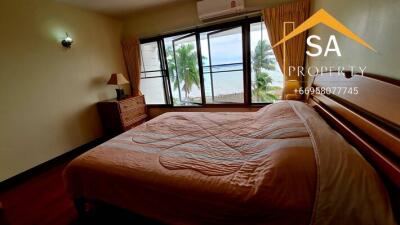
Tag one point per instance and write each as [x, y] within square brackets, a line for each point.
[216, 9]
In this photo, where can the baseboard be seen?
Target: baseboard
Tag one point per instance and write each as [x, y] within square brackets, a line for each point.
[17, 179]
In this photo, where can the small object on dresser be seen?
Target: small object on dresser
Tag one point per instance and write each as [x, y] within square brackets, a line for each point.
[118, 79]
[118, 116]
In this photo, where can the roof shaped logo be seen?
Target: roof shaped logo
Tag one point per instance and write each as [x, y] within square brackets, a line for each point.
[322, 16]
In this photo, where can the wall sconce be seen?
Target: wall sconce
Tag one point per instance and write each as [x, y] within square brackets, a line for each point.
[67, 42]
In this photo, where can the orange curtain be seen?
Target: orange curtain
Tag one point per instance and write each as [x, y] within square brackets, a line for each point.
[280, 21]
[131, 51]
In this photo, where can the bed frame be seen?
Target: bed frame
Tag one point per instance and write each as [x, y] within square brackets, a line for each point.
[369, 120]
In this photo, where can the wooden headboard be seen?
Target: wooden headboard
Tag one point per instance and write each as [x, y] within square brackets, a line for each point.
[368, 116]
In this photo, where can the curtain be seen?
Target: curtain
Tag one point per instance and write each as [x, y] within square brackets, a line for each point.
[275, 18]
[131, 51]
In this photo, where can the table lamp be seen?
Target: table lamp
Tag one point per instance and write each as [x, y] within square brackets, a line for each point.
[118, 79]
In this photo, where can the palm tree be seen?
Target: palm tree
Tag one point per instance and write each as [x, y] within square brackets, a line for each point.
[262, 88]
[171, 63]
[185, 69]
[261, 60]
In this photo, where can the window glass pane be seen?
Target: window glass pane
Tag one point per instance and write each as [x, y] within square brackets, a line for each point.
[183, 69]
[151, 84]
[223, 65]
[153, 90]
[204, 49]
[266, 76]
[150, 57]
[228, 88]
[171, 69]
[206, 66]
[226, 46]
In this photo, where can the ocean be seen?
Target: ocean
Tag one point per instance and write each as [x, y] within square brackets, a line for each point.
[226, 83]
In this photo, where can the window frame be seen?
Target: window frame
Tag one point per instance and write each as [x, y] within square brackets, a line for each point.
[246, 51]
[211, 64]
[162, 70]
[198, 64]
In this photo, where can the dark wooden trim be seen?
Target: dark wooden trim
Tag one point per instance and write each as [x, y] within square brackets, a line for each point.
[374, 130]
[393, 128]
[164, 69]
[211, 68]
[246, 51]
[170, 102]
[389, 170]
[211, 106]
[17, 179]
[386, 166]
[355, 118]
[374, 96]
[381, 78]
[201, 74]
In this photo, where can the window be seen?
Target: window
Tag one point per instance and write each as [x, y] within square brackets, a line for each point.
[152, 75]
[266, 76]
[183, 68]
[222, 58]
[232, 63]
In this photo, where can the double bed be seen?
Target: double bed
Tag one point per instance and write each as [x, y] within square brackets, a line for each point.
[280, 165]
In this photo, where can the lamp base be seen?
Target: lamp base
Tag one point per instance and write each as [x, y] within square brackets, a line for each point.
[120, 93]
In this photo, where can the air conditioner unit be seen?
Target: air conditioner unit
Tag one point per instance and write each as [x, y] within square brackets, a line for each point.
[217, 9]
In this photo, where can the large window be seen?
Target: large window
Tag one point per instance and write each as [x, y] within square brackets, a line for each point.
[222, 64]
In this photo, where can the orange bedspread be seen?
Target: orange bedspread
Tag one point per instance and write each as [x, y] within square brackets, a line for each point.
[233, 168]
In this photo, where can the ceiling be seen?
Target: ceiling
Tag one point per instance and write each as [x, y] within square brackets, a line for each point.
[117, 7]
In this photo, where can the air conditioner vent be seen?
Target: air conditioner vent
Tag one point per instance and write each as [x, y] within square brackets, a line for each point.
[216, 9]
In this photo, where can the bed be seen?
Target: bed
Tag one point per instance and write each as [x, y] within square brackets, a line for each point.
[283, 164]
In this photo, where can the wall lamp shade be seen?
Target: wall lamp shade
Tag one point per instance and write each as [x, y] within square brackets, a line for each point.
[67, 42]
[118, 79]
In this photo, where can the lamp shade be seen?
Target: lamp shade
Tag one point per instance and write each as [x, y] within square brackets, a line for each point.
[117, 79]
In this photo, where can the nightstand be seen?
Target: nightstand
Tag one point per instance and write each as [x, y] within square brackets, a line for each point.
[118, 116]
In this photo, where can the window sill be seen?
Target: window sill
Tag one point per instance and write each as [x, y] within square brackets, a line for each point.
[255, 105]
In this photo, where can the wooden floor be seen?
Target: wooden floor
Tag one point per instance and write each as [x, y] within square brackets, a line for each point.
[42, 200]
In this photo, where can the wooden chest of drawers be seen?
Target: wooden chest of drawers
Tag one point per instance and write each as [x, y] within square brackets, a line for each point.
[118, 116]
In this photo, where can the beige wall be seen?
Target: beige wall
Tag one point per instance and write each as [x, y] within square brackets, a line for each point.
[377, 22]
[48, 93]
[176, 16]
